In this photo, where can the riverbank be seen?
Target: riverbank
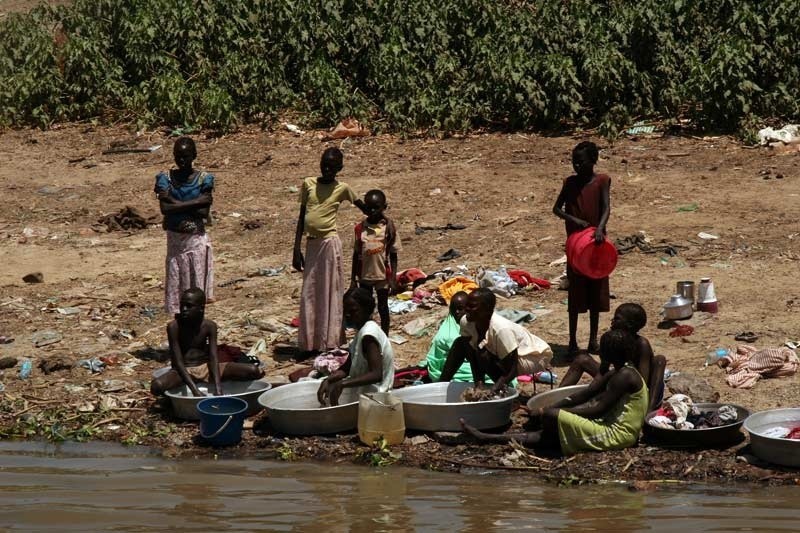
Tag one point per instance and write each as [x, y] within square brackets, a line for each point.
[102, 289]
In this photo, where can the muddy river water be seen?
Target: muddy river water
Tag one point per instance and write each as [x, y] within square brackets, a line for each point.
[101, 487]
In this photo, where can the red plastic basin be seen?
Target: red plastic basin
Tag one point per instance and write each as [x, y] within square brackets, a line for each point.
[595, 261]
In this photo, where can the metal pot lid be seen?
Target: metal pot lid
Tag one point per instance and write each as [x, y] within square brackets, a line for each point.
[676, 300]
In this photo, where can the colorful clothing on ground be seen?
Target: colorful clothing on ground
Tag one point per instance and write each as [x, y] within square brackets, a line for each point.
[503, 337]
[456, 284]
[748, 364]
[585, 294]
[373, 245]
[358, 360]
[322, 202]
[321, 298]
[197, 184]
[189, 264]
[616, 430]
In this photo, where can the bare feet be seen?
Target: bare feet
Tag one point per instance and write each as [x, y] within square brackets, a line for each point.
[572, 351]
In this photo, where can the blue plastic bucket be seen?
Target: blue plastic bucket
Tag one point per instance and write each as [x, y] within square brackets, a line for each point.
[221, 420]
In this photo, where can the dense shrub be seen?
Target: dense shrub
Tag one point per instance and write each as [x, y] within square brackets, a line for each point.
[406, 64]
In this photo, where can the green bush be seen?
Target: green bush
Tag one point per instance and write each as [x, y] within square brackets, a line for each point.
[406, 64]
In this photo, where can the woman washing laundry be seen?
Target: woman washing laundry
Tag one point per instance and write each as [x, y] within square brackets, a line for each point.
[371, 360]
[608, 415]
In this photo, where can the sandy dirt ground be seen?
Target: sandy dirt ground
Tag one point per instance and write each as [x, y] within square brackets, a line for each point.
[57, 184]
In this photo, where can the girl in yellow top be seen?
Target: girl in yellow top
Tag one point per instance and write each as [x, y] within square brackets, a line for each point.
[323, 274]
[607, 415]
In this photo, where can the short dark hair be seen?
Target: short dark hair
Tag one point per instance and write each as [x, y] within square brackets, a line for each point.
[334, 158]
[455, 297]
[589, 148]
[195, 292]
[185, 142]
[634, 317]
[363, 297]
[617, 346]
[376, 193]
[486, 297]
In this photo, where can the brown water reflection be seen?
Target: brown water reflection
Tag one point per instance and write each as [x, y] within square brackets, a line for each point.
[102, 487]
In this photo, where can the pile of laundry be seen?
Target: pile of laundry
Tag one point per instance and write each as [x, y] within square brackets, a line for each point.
[426, 290]
[329, 362]
[747, 364]
[782, 432]
[679, 412]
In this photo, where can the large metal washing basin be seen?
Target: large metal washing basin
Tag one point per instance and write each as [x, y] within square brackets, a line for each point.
[438, 407]
[293, 409]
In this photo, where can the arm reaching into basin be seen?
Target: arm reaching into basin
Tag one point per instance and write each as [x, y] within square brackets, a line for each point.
[611, 422]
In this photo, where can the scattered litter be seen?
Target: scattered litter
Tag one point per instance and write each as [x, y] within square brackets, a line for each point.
[348, 127]
[746, 336]
[25, 369]
[35, 232]
[235, 215]
[294, 129]
[45, 338]
[49, 190]
[401, 307]
[644, 244]
[721, 265]
[292, 189]
[560, 261]
[148, 312]
[33, 277]
[113, 385]
[788, 134]
[452, 253]
[435, 191]
[94, 364]
[683, 330]
[422, 228]
[267, 272]
[516, 315]
[74, 389]
[129, 150]
[688, 208]
[398, 339]
[258, 348]
[418, 439]
[230, 282]
[127, 218]
[640, 128]
[68, 310]
[419, 326]
[497, 281]
[707, 236]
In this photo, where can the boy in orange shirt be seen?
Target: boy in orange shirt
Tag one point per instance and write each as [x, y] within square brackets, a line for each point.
[375, 253]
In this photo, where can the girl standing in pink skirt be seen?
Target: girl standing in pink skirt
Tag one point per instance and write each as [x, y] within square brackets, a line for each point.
[185, 197]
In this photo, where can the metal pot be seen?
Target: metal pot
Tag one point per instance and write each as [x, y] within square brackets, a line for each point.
[677, 308]
[686, 289]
